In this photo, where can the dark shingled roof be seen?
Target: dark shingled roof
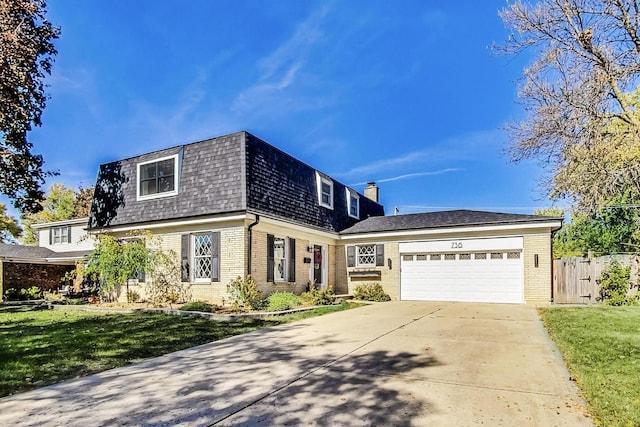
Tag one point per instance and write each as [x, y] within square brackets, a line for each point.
[36, 252]
[229, 174]
[456, 218]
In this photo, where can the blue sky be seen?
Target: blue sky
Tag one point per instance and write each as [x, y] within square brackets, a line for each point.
[407, 94]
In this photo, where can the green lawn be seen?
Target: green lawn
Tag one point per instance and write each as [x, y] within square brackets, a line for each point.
[601, 346]
[45, 347]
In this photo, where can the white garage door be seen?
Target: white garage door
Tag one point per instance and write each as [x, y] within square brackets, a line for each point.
[474, 270]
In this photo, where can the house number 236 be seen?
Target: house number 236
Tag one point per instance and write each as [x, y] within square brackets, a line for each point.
[456, 245]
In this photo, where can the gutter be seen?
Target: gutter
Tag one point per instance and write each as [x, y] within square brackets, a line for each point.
[249, 230]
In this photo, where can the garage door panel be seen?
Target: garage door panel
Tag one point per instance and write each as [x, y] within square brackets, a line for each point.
[469, 280]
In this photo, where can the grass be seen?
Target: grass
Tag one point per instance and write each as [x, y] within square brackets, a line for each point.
[601, 347]
[45, 347]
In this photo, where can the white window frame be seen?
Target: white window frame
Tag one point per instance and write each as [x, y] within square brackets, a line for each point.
[358, 255]
[58, 239]
[321, 179]
[165, 193]
[285, 242]
[353, 195]
[193, 257]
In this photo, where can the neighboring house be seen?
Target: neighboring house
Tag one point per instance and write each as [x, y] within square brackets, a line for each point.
[61, 245]
[236, 205]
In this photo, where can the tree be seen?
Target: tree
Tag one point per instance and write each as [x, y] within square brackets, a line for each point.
[553, 211]
[26, 57]
[9, 228]
[115, 261]
[614, 229]
[60, 203]
[580, 95]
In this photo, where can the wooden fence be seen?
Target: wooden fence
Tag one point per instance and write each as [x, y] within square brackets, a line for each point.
[575, 279]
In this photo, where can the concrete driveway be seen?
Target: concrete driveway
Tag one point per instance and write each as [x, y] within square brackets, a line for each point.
[397, 363]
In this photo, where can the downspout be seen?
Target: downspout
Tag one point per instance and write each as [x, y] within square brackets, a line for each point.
[249, 229]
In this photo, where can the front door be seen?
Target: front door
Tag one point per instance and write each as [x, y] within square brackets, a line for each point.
[318, 266]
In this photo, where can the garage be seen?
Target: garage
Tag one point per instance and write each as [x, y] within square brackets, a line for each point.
[468, 270]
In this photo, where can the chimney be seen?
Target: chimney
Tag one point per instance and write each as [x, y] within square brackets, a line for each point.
[371, 192]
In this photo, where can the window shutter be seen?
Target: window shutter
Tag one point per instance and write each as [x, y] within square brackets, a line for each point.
[184, 250]
[379, 255]
[69, 234]
[292, 260]
[269, 257]
[351, 256]
[51, 236]
[215, 256]
[141, 276]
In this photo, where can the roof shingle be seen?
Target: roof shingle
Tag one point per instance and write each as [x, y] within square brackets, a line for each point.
[453, 218]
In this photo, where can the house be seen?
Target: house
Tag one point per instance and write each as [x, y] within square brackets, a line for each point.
[236, 205]
[60, 245]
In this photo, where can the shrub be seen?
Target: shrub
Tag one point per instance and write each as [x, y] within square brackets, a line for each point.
[318, 296]
[370, 292]
[12, 294]
[282, 301]
[198, 306]
[33, 292]
[244, 293]
[133, 296]
[614, 285]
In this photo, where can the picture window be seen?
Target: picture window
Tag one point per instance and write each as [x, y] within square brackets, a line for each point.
[158, 178]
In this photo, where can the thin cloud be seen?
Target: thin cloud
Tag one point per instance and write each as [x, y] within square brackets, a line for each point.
[280, 69]
[413, 175]
[379, 165]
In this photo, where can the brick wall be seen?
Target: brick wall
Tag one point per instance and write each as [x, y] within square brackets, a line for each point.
[303, 269]
[537, 280]
[232, 265]
[389, 272]
[47, 277]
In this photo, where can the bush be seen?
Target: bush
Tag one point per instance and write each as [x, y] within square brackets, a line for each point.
[202, 306]
[370, 292]
[318, 296]
[283, 301]
[12, 294]
[133, 296]
[614, 285]
[33, 292]
[244, 293]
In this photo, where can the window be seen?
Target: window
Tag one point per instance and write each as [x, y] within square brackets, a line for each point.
[449, 257]
[202, 262]
[496, 255]
[281, 260]
[407, 257]
[421, 257]
[371, 255]
[353, 204]
[200, 257]
[434, 257]
[59, 235]
[513, 255]
[464, 256]
[325, 191]
[158, 178]
[480, 255]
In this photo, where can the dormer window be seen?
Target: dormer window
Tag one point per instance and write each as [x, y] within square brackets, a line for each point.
[353, 203]
[325, 191]
[158, 178]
